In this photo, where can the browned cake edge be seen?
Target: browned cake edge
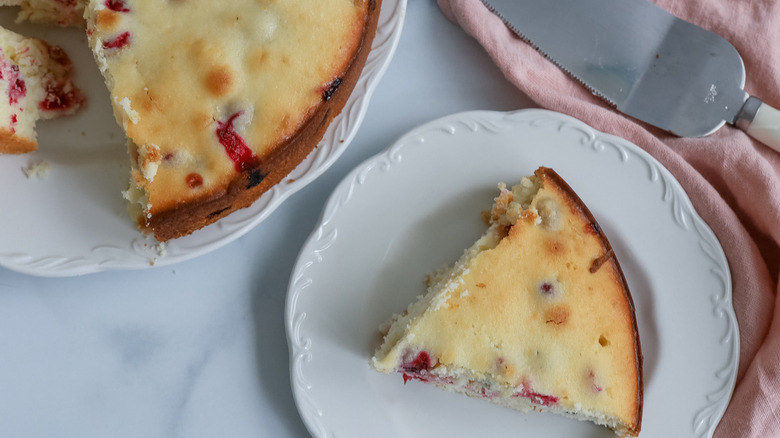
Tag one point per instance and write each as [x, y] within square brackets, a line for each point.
[11, 143]
[250, 185]
[546, 173]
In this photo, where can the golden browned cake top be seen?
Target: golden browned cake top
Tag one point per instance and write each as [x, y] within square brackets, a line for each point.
[538, 305]
[209, 89]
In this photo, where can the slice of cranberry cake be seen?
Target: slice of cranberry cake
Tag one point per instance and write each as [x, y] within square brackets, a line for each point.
[221, 100]
[536, 314]
[58, 12]
[36, 82]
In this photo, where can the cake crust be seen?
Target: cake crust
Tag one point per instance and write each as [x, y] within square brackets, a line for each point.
[10, 143]
[577, 204]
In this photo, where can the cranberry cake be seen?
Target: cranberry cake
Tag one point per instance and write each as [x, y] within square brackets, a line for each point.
[221, 100]
[35, 83]
[535, 315]
[58, 12]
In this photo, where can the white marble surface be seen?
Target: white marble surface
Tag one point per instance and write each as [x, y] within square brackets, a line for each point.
[199, 349]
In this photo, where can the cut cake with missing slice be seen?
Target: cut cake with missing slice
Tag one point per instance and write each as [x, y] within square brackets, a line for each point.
[535, 315]
[220, 101]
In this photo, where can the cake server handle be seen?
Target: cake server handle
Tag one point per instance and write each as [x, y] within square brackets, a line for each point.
[760, 121]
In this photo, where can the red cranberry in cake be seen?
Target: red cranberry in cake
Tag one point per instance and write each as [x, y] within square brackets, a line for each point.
[238, 105]
[236, 148]
[331, 89]
[512, 322]
[194, 180]
[35, 83]
[536, 398]
[416, 366]
[117, 5]
[547, 288]
[61, 95]
[16, 87]
[594, 382]
[119, 41]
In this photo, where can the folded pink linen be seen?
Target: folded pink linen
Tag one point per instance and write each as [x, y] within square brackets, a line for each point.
[732, 180]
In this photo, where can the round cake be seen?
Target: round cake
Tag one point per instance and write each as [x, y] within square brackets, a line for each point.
[221, 100]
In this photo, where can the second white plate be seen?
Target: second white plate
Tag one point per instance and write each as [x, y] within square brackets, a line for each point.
[416, 206]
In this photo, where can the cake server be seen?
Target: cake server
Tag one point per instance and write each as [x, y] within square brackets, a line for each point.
[646, 62]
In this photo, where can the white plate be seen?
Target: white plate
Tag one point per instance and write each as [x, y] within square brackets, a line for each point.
[74, 221]
[416, 207]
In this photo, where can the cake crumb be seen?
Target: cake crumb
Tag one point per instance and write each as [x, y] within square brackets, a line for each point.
[149, 159]
[37, 169]
[159, 248]
[162, 251]
[126, 106]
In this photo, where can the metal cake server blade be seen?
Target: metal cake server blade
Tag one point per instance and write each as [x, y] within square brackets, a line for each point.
[646, 62]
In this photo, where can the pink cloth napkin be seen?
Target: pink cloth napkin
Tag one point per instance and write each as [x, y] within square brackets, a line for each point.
[732, 180]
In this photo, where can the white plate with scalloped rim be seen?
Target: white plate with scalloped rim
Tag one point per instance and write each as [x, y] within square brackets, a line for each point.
[74, 220]
[416, 207]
